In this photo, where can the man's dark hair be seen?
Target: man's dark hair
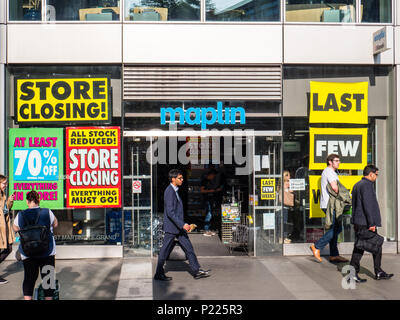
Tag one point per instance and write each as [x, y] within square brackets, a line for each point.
[331, 157]
[370, 168]
[174, 173]
[212, 171]
[33, 196]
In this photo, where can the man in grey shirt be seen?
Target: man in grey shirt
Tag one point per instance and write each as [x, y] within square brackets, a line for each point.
[330, 176]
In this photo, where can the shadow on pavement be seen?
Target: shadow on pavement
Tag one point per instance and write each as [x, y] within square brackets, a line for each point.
[108, 289]
[161, 288]
[15, 267]
[363, 270]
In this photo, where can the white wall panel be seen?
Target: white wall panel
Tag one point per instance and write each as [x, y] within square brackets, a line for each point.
[3, 17]
[202, 43]
[333, 44]
[398, 152]
[3, 43]
[2, 119]
[397, 18]
[64, 43]
[397, 43]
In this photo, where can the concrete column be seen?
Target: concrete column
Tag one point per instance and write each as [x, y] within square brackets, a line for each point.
[3, 129]
[3, 11]
[3, 43]
[397, 117]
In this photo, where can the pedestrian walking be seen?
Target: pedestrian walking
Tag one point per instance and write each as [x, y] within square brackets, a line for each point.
[6, 235]
[366, 218]
[35, 216]
[330, 180]
[175, 227]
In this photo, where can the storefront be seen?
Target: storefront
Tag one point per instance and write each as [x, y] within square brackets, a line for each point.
[64, 142]
[251, 123]
[337, 88]
[195, 118]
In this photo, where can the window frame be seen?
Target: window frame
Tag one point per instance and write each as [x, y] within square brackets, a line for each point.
[356, 22]
[122, 19]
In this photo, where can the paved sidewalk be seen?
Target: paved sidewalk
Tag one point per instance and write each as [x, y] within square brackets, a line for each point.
[272, 278]
[233, 278]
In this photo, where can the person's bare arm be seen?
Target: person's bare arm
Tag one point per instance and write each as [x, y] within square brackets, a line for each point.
[55, 222]
[334, 186]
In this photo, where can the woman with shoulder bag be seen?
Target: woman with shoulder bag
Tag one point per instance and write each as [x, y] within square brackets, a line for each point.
[6, 235]
[36, 216]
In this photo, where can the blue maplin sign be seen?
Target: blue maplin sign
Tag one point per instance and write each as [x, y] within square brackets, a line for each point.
[219, 115]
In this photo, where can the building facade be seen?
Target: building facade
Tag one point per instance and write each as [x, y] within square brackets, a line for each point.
[251, 88]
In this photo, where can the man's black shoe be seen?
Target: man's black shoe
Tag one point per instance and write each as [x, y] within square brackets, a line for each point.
[206, 271]
[162, 277]
[383, 275]
[358, 279]
[201, 274]
[3, 281]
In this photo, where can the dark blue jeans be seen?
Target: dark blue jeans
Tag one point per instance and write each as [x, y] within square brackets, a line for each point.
[331, 237]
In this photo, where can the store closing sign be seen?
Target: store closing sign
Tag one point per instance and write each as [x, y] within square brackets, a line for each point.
[58, 100]
[332, 102]
[93, 167]
[36, 157]
[350, 144]
[315, 192]
[268, 191]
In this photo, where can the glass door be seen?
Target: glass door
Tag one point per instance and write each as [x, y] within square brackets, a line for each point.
[269, 216]
[137, 217]
[253, 172]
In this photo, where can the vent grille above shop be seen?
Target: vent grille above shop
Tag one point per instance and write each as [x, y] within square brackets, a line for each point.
[202, 82]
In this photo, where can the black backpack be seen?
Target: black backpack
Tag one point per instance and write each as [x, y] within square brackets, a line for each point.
[34, 238]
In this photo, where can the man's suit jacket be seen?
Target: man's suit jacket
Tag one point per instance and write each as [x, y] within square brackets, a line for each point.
[365, 205]
[173, 212]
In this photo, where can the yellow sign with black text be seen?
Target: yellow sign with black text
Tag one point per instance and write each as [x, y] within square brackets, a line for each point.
[268, 191]
[332, 102]
[315, 192]
[57, 100]
[349, 143]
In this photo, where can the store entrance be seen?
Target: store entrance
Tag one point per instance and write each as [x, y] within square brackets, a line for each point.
[241, 172]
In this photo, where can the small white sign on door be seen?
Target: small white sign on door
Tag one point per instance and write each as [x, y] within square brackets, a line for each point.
[297, 184]
[269, 221]
[136, 186]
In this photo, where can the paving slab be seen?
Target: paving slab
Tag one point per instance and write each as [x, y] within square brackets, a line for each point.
[233, 278]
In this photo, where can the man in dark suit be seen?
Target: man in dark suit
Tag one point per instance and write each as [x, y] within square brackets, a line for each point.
[175, 227]
[366, 216]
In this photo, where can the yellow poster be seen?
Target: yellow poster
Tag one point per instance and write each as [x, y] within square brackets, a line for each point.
[56, 100]
[315, 192]
[332, 102]
[268, 191]
[349, 143]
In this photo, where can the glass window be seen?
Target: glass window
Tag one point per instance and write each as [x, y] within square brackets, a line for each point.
[159, 10]
[29, 10]
[89, 10]
[79, 10]
[243, 10]
[321, 11]
[79, 226]
[381, 139]
[376, 11]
